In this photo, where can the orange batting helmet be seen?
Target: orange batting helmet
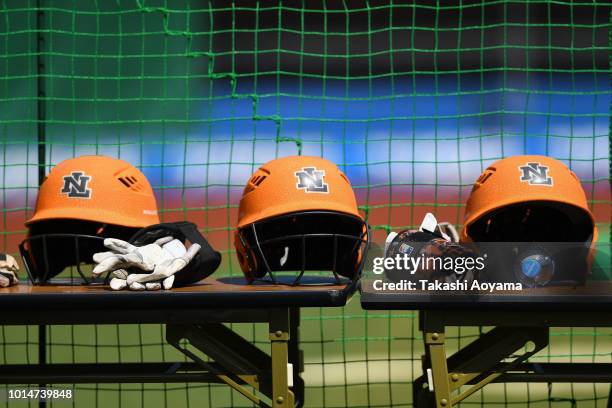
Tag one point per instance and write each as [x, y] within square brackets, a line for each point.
[534, 204]
[300, 213]
[537, 181]
[82, 201]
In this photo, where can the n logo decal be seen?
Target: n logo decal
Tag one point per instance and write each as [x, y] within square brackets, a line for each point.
[75, 185]
[311, 180]
[535, 174]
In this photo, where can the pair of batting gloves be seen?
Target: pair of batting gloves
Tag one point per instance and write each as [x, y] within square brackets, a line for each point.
[156, 263]
[158, 256]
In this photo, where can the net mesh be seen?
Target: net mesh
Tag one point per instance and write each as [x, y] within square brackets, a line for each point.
[412, 101]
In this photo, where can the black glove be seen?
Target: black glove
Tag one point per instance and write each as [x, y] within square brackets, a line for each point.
[203, 264]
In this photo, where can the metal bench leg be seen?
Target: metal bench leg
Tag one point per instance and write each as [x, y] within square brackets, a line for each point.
[282, 376]
[296, 357]
[434, 343]
[479, 363]
[237, 361]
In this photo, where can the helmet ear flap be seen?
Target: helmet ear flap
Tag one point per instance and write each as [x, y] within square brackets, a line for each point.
[248, 262]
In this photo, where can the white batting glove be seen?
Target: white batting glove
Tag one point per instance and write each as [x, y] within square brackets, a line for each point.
[445, 229]
[164, 271]
[161, 260]
[8, 271]
[120, 282]
[448, 231]
[124, 255]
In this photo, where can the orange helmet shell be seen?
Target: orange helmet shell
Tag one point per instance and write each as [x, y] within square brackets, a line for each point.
[293, 184]
[519, 179]
[97, 188]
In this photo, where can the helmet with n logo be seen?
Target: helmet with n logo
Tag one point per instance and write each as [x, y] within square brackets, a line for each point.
[81, 201]
[296, 214]
[551, 191]
[532, 215]
[97, 188]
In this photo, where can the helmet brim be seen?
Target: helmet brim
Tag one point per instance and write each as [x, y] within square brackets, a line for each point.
[540, 198]
[279, 210]
[94, 215]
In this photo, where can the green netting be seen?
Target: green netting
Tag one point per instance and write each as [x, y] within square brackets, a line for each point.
[412, 100]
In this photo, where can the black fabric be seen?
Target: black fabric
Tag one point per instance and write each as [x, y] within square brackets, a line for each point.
[205, 262]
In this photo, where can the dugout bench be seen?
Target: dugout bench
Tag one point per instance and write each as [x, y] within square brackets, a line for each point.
[194, 318]
[521, 323]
